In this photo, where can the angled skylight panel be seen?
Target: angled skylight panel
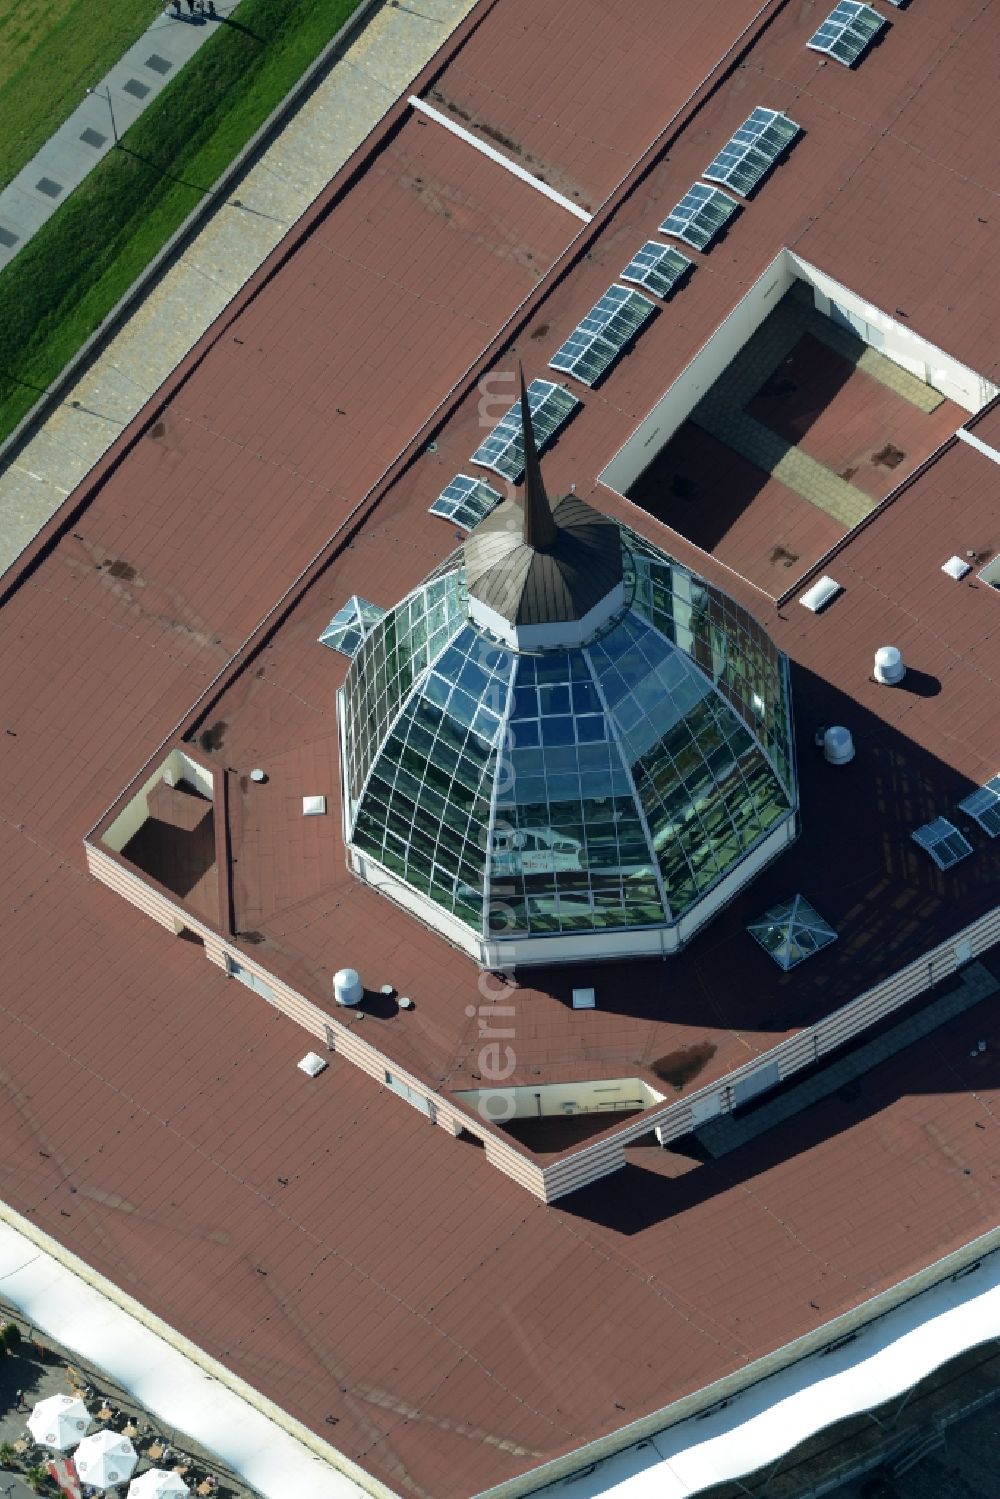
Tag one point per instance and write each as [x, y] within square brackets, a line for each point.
[599, 338]
[465, 501]
[792, 932]
[657, 267]
[349, 626]
[752, 151]
[699, 216]
[503, 451]
[942, 840]
[847, 31]
[984, 806]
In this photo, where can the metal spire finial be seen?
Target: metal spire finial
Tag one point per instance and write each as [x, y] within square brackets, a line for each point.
[539, 527]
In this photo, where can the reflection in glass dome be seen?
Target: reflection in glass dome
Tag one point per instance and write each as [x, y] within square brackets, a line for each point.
[541, 789]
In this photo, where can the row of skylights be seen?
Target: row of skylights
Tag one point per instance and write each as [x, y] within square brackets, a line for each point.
[699, 216]
[349, 626]
[847, 31]
[792, 932]
[659, 268]
[745, 158]
[503, 451]
[599, 338]
[984, 806]
[752, 150]
[942, 840]
[609, 326]
[466, 501]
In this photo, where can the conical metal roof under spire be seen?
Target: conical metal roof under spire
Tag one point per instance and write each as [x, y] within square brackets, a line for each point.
[541, 568]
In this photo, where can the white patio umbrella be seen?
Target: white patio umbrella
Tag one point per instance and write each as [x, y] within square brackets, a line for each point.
[59, 1421]
[157, 1483]
[105, 1459]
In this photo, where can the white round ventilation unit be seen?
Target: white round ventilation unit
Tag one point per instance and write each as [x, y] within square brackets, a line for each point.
[889, 667]
[838, 746]
[347, 987]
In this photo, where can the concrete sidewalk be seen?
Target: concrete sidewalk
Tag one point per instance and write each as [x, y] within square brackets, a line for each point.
[90, 132]
[238, 235]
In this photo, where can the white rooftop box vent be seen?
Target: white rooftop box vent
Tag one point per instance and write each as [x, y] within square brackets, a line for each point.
[889, 667]
[838, 746]
[258, 776]
[347, 987]
[405, 1003]
[819, 595]
[584, 999]
[313, 806]
[312, 1064]
[956, 567]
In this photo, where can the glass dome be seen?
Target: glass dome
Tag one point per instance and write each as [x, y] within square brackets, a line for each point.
[550, 803]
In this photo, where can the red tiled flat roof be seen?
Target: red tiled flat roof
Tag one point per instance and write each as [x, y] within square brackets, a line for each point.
[883, 895]
[314, 1236]
[624, 69]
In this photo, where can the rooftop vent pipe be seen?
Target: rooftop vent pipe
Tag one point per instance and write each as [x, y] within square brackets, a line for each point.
[889, 667]
[347, 987]
[838, 746]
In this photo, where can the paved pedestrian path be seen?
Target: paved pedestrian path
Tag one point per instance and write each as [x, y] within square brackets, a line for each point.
[102, 115]
[239, 234]
[727, 1133]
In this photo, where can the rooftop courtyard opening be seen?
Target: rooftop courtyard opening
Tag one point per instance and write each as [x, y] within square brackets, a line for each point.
[804, 411]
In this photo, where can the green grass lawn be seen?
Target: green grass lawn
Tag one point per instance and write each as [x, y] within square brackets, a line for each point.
[51, 51]
[70, 275]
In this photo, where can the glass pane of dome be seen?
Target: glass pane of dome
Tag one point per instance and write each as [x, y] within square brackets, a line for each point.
[706, 788]
[425, 811]
[392, 657]
[568, 852]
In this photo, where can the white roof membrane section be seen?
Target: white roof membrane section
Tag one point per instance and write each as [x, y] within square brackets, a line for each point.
[699, 216]
[503, 451]
[465, 501]
[600, 337]
[178, 1391]
[889, 1355]
[752, 150]
[847, 31]
[659, 268]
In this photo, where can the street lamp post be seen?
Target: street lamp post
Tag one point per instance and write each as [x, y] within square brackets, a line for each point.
[107, 95]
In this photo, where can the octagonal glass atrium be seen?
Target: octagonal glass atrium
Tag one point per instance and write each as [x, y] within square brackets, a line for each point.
[564, 745]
